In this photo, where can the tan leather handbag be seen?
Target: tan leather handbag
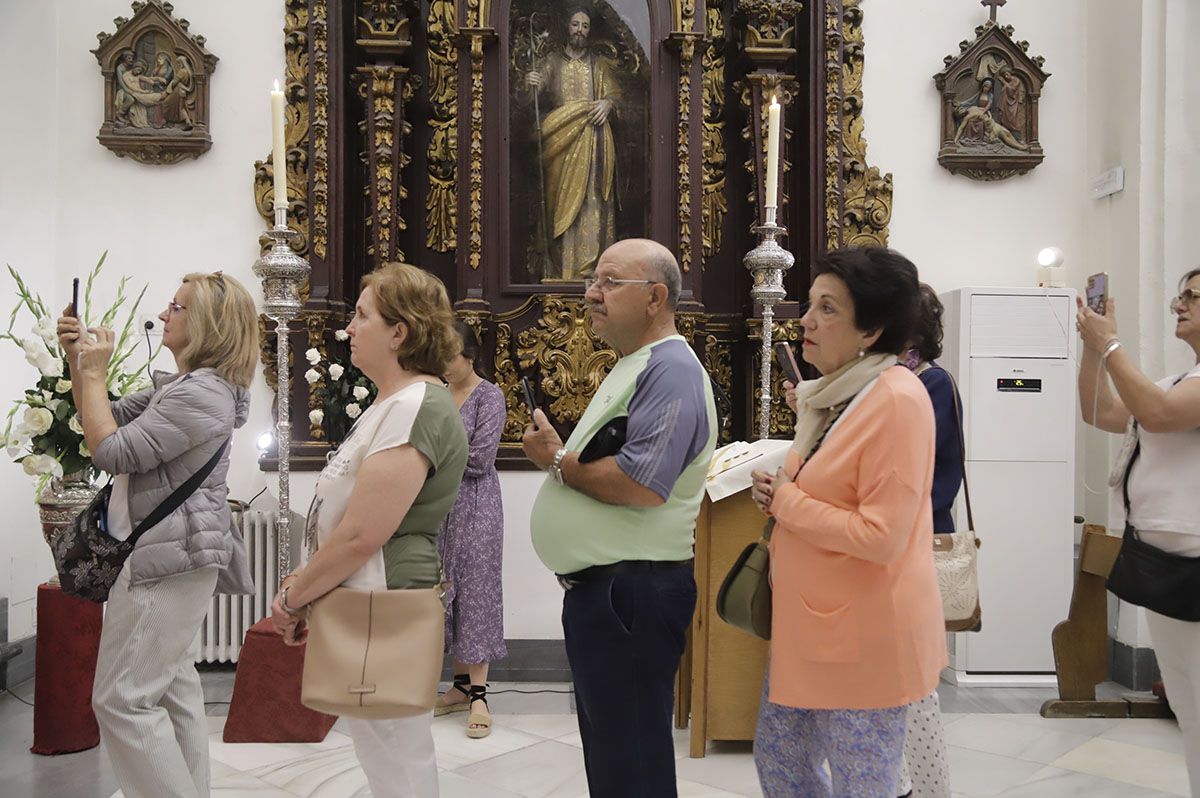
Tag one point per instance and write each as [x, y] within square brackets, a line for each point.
[956, 557]
[374, 653]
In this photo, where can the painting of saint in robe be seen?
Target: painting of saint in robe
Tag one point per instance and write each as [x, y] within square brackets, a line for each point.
[574, 87]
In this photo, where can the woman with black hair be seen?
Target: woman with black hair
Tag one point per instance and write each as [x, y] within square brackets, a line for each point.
[472, 544]
[925, 772]
[857, 632]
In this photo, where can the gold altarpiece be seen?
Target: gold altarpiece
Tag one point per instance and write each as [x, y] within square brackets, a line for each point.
[416, 133]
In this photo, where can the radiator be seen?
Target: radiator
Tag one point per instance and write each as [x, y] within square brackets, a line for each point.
[229, 617]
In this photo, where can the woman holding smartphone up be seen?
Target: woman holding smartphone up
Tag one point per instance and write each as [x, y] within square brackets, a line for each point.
[1159, 480]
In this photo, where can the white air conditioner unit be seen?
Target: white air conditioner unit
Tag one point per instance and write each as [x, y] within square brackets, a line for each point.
[1012, 352]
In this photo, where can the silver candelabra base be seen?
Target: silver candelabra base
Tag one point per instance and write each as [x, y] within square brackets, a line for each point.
[767, 263]
[282, 272]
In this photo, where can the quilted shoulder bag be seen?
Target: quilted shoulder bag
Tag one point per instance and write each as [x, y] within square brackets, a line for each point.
[956, 557]
[89, 560]
[744, 599]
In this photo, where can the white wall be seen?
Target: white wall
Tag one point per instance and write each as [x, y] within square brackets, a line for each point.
[959, 231]
[64, 199]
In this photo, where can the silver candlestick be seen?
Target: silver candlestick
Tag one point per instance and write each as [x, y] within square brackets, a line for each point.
[767, 263]
[282, 272]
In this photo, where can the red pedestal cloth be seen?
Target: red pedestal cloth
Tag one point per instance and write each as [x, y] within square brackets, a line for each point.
[266, 704]
[68, 638]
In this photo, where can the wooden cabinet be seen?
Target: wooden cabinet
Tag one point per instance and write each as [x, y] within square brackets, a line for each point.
[721, 676]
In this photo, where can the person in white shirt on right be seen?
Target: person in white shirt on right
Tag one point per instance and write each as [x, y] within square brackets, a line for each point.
[1164, 481]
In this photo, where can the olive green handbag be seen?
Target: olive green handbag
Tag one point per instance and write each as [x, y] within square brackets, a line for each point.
[744, 600]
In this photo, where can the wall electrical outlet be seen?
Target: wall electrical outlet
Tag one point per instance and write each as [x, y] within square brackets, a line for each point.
[150, 323]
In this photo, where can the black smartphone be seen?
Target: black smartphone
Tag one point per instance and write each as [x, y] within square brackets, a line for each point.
[1097, 292]
[787, 362]
[75, 297]
[527, 389]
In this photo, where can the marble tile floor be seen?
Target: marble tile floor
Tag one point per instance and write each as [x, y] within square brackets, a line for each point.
[535, 752]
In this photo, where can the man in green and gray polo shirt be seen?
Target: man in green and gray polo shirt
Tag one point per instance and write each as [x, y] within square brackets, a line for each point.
[619, 530]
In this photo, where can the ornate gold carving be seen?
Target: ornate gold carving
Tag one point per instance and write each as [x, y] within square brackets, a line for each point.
[320, 126]
[685, 41]
[441, 204]
[475, 38]
[783, 420]
[383, 27]
[516, 413]
[867, 206]
[718, 361]
[571, 360]
[295, 50]
[477, 320]
[384, 89]
[715, 205]
[764, 85]
[833, 124]
[770, 28]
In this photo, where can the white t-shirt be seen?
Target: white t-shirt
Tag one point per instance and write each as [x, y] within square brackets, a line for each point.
[1164, 486]
[421, 415]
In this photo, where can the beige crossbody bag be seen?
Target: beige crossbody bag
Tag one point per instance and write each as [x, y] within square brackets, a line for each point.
[374, 653]
[956, 554]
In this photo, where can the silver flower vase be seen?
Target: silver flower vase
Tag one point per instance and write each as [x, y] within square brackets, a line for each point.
[62, 500]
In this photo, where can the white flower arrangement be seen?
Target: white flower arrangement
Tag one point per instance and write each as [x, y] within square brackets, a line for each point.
[47, 439]
[342, 391]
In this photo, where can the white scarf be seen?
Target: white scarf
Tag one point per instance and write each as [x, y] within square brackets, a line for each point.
[817, 399]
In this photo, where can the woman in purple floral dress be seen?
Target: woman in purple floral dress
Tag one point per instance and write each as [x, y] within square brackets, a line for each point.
[472, 545]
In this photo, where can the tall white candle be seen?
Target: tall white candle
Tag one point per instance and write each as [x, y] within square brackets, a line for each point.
[278, 148]
[772, 200]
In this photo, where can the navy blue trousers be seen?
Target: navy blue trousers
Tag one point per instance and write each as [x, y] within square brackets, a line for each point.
[624, 637]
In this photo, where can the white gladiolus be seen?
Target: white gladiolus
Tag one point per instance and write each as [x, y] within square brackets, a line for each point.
[35, 465]
[361, 393]
[14, 445]
[62, 386]
[36, 421]
[74, 424]
[336, 371]
[40, 358]
[313, 356]
[312, 375]
[341, 335]
[47, 330]
[315, 417]
[353, 410]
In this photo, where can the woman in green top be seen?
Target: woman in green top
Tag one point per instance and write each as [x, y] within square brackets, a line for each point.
[382, 498]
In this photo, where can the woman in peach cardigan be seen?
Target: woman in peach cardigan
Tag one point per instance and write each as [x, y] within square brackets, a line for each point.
[857, 632]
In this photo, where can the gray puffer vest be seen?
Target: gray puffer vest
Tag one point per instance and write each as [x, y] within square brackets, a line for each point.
[163, 438]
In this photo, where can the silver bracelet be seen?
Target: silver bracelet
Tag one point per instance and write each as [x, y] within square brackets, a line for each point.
[1113, 346]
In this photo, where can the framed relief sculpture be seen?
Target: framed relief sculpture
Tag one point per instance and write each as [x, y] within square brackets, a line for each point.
[155, 86]
[577, 134]
[990, 94]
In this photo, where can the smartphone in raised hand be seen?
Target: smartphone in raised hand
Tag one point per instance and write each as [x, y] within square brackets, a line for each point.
[75, 297]
[787, 362]
[1097, 292]
[527, 389]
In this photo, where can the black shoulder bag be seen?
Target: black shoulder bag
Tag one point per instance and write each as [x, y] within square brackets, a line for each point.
[89, 560]
[1149, 577]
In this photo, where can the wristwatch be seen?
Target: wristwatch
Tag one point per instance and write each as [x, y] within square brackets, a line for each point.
[556, 465]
